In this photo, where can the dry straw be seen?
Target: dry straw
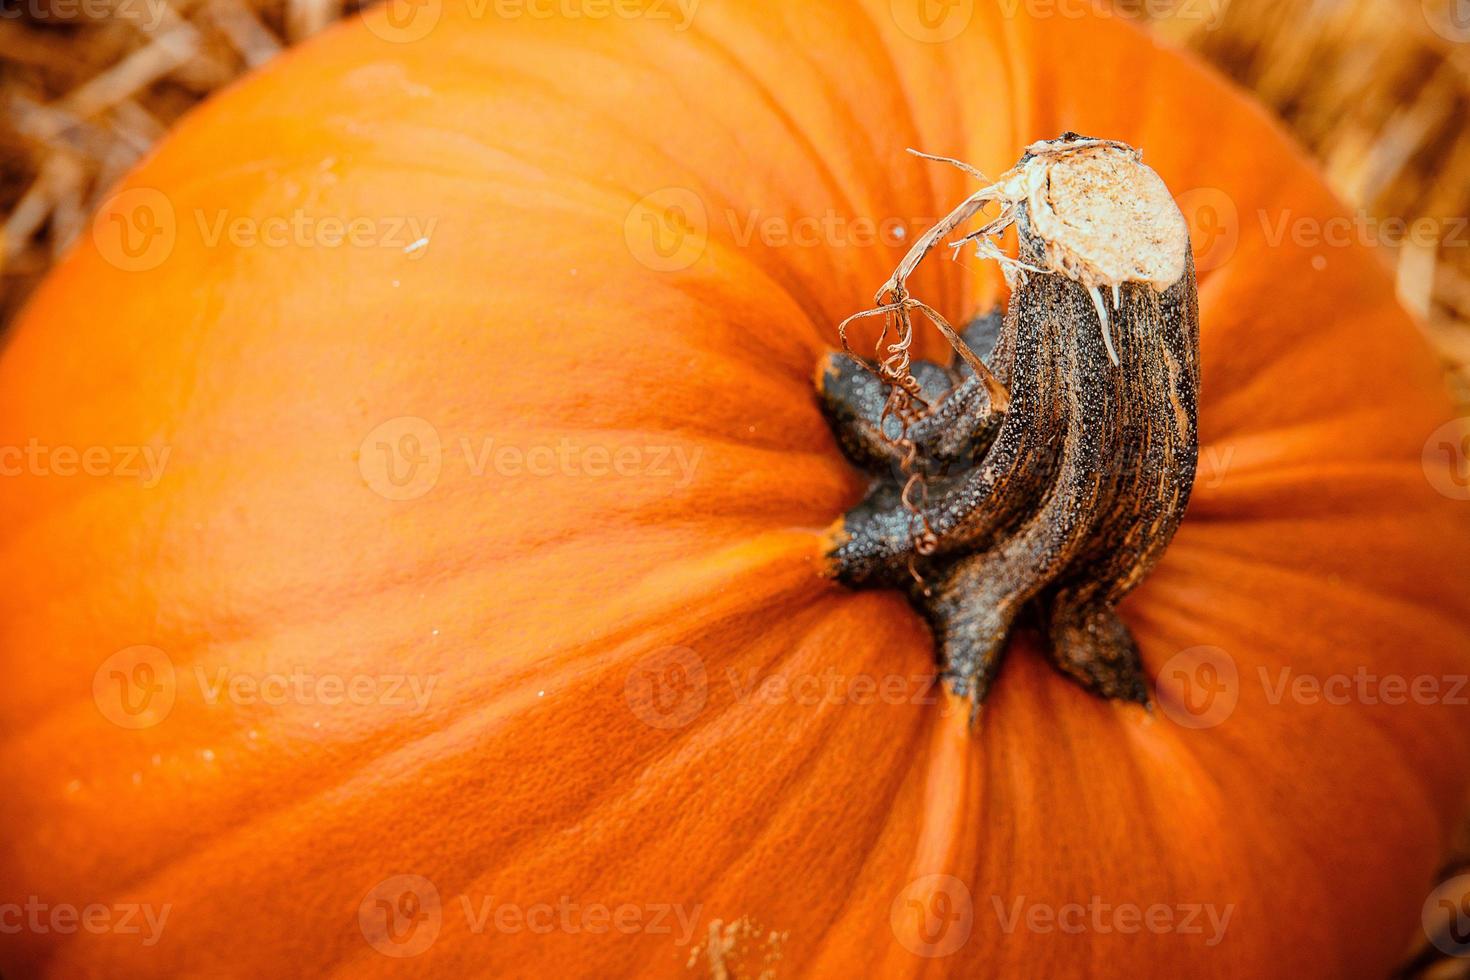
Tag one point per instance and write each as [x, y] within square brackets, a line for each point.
[1379, 92]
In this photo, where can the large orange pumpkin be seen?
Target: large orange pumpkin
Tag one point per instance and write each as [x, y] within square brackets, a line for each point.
[646, 742]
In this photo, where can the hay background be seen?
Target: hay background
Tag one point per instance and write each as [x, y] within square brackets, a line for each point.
[1377, 90]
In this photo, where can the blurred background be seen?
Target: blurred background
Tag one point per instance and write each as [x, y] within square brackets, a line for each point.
[1377, 90]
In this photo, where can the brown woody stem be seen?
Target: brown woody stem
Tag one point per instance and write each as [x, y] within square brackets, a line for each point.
[1054, 480]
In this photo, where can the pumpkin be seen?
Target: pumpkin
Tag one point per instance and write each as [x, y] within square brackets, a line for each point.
[471, 616]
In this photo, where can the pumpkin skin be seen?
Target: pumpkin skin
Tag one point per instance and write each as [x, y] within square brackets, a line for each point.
[535, 602]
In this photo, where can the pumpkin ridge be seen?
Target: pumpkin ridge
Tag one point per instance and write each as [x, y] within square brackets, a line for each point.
[473, 719]
[1365, 595]
[717, 733]
[789, 801]
[779, 113]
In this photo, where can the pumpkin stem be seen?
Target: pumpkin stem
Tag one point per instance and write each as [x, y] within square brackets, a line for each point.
[1045, 470]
